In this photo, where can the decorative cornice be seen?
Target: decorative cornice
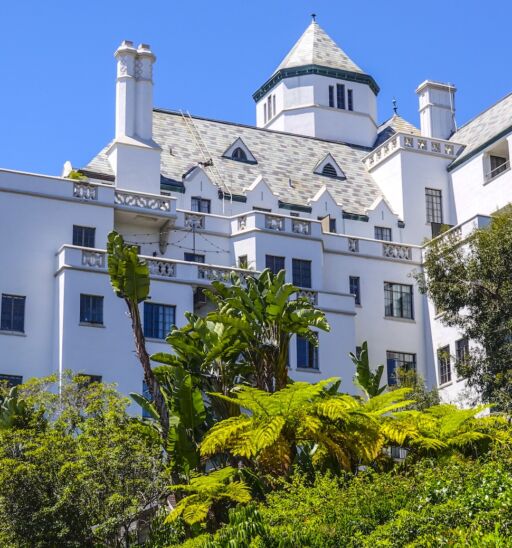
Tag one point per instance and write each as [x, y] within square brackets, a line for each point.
[315, 69]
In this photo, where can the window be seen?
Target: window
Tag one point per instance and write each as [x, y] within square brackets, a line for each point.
[383, 233]
[332, 224]
[331, 96]
[11, 380]
[329, 170]
[398, 301]
[274, 105]
[355, 288]
[399, 361]
[307, 354]
[443, 360]
[91, 309]
[461, 351]
[239, 155]
[201, 205]
[294, 214]
[243, 262]
[158, 320]
[264, 209]
[274, 263]
[498, 165]
[340, 96]
[434, 205]
[83, 236]
[269, 107]
[301, 272]
[194, 257]
[265, 112]
[350, 99]
[13, 313]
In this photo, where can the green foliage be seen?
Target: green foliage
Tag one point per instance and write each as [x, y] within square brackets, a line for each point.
[365, 379]
[422, 396]
[14, 412]
[76, 175]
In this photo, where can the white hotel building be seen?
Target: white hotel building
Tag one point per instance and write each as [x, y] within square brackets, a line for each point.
[318, 186]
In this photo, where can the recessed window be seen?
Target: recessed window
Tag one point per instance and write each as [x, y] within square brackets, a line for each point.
[194, 257]
[11, 380]
[332, 224]
[443, 361]
[243, 261]
[399, 361]
[434, 204]
[274, 263]
[13, 313]
[83, 236]
[301, 272]
[329, 170]
[355, 288]
[350, 99]
[158, 320]
[461, 351]
[201, 205]
[331, 96]
[340, 96]
[91, 309]
[307, 354]
[398, 301]
[239, 155]
[383, 233]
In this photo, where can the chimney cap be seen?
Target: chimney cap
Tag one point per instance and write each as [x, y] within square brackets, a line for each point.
[436, 85]
[125, 47]
[144, 50]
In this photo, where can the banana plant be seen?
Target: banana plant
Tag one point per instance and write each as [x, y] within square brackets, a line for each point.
[366, 379]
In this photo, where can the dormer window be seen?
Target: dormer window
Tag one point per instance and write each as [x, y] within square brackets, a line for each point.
[328, 167]
[239, 154]
[329, 170]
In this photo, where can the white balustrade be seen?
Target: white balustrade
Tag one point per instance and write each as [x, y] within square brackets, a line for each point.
[272, 222]
[157, 267]
[143, 201]
[214, 274]
[93, 259]
[353, 245]
[192, 220]
[242, 223]
[85, 191]
[309, 294]
[300, 226]
[396, 251]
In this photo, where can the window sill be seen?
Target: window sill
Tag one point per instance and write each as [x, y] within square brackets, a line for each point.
[446, 384]
[308, 370]
[15, 333]
[90, 324]
[155, 340]
[404, 320]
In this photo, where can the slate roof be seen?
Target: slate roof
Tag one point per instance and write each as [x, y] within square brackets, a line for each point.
[280, 157]
[395, 124]
[483, 128]
[316, 47]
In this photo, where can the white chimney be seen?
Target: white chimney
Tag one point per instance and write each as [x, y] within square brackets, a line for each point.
[437, 109]
[134, 156]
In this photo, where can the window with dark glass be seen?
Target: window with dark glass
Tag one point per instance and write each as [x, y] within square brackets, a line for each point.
[83, 236]
[239, 154]
[350, 99]
[12, 317]
[433, 198]
[307, 354]
[399, 361]
[158, 320]
[263, 209]
[398, 301]
[498, 165]
[340, 96]
[329, 170]
[243, 262]
[331, 96]
[201, 205]
[301, 273]
[11, 380]
[383, 233]
[194, 257]
[274, 263]
[332, 224]
[91, 309]
[443, 361]
[461, 350]
[355, 288]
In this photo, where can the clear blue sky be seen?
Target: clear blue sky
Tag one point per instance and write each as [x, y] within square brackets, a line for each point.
[58, 72]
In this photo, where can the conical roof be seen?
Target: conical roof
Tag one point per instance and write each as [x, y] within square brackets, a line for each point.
[316, 47]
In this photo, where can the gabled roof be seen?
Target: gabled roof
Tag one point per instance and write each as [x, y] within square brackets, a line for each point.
[316, 47]
[281, 157]
[395, 124]
[481, 130]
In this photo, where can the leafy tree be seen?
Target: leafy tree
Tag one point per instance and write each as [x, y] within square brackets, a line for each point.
[265, 315]
[423, 397]
[469, 282]
[366, 379]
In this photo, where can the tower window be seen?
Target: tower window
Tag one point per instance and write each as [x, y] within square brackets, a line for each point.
[433, 198]
[355, 288]
[13, 313]
[350, 99]
[83, 236]
[91, 309]
[340, 96]
[331, 96]
[329, 170]
[239, 154]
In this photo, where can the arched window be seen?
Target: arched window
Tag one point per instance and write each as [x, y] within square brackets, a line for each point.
[329, 170]
[239, 154]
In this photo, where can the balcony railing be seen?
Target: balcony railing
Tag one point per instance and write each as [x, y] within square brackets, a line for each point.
[396, 251]
[498, 170]
[309, 294]
[193, 220]
[142, 201]
[85, 191]
[300, 226]
[273, 222]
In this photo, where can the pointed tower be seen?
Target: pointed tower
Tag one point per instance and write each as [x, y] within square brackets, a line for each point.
[318, 90]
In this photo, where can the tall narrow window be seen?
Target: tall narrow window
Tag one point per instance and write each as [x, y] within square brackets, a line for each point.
[340, 96]
[331, 96]
[301, 272]
[443, 360]
[399, 361]
[398, 301]
[307, 354]
[13, 313]
[269, 107]
[243, 261]
[201, 205]
[434, 203]
[273, 105]
[265, 117]
[91, 309]
[274, 263]
[461, 352]
[355, 288]
[332, 224]
[158, 320]
[350, 99]
[83, 236]
[383, 233]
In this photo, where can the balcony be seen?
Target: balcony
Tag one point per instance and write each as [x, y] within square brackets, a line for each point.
[141, 203]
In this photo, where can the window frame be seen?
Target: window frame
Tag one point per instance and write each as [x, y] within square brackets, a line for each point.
[404, 364]
[80, 230]
[83, 304]
[340, 96]
[15, 324]
[354, 282]
[157, 332]
[350, 99]
[434, 210]
[383, 230]
[241, 157]
[200, 201]
[193, 257]
[444, 365]
[390, 300]
[331, 96]
[274, 258]
[311, 353]
[297, 266]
